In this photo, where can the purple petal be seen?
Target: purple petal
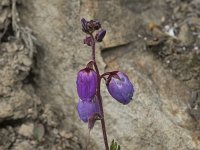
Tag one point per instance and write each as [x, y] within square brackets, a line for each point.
[87, 109]
[86, 84]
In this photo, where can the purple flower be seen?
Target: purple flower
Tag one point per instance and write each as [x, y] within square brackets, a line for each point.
[86, 84]
[100, 35]
[120, 89]
[87, 109]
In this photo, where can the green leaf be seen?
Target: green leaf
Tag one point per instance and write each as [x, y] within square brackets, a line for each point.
[38, 132]
[114, 145]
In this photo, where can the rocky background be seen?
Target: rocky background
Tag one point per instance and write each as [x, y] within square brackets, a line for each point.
[156, 42]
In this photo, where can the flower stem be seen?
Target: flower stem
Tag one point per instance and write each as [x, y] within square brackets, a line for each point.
[99, 94]
[87, 140]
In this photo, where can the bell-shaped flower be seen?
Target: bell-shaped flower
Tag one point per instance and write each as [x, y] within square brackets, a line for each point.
[120, 88]
[86, 84]
[87, 109]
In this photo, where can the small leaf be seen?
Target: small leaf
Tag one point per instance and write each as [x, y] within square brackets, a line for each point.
[114, 145]
[38, 132]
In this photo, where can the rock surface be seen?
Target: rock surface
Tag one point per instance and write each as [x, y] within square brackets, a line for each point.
[155, 42]
[26, 130]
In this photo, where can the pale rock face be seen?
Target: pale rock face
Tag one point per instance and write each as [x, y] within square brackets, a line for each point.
[157, 117]
[5, 110]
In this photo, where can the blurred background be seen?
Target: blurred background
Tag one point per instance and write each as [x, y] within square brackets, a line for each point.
[155, 42]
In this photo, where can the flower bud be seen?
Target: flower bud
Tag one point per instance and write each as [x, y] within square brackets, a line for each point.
[88, 41]
[96, 24]
[87, 109]
[90, 26]
[120, 89]
[84, 25]
[100, 35]
[86, 84]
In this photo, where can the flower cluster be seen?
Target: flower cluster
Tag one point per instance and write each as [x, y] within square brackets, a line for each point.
[88, 82]
[88, 79]
[89, 27]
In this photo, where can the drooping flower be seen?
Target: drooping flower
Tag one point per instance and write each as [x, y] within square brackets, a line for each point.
[120, 88]
[87, 109]
[86, 84]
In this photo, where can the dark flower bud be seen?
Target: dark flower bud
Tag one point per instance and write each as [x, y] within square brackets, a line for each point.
[93, 25]
[88, 41]
[96, 25]
[87, 109]
[84, 24]
[120, 89]
[90, 26]
[100, 35]
[86, 84]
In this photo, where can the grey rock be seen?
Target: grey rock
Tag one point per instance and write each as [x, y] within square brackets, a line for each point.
[5, 13]
[156, 119]
[7, 136]
[66, 135]
[14, 100]
[26, 61]
[24, 145]
[26, 130]
[6, 110]
[5, 3]
[185, 35]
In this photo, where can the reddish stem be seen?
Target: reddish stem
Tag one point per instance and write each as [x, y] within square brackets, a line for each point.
[105, 74]
[99, 94]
